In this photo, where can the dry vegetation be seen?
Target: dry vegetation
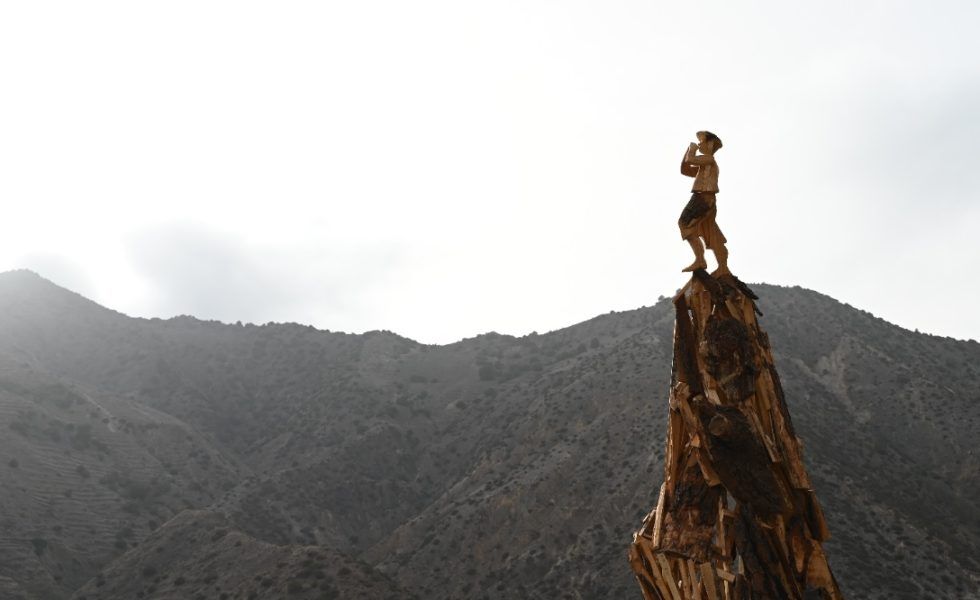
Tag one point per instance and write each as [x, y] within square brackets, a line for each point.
[496, 467]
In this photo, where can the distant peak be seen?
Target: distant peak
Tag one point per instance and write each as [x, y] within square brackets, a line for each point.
[21, 274]
[29, 277]
[25, 285]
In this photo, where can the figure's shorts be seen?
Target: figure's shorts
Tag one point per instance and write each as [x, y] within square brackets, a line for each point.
[698, 219]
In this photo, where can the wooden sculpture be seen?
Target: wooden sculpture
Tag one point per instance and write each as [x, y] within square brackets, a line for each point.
[698, 218]
[736, 518]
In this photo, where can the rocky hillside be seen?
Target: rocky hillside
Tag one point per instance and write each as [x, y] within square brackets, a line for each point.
[197, 554]
[495, 467]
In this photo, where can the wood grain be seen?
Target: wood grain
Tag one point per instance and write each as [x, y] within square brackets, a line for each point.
[737, 517]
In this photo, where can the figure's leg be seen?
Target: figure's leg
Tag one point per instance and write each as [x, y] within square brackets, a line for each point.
[715, 240]
[721, 255]
[698, 248]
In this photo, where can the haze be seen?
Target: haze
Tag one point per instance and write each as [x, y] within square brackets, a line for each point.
[443, 169]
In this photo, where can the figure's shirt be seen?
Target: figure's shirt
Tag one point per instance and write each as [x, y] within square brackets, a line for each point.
[706, 179]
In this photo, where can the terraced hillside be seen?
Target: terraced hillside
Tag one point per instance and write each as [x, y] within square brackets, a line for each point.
[496, 467]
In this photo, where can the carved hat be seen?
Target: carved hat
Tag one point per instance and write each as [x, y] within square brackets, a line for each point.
[707, 136]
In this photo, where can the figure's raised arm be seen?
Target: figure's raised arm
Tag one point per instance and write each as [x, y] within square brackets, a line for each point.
[688, 167]
[704, 159]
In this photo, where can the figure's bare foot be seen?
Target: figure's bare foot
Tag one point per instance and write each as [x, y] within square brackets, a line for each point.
[722, 270]
[694, 266]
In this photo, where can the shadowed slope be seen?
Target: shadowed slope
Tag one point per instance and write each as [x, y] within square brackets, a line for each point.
[501, 467]
[197, 554]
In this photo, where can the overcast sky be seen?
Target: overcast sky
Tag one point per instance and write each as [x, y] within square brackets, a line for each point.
[443, 169]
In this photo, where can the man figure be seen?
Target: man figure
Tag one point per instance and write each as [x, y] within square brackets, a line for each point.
[698, 218]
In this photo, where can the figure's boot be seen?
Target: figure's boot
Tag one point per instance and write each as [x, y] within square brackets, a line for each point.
[699, 262]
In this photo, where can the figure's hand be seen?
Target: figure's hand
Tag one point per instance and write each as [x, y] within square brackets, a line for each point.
[692, 147]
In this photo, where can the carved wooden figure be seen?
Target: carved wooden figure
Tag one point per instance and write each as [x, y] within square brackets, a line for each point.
[736, 518]
[697, 221]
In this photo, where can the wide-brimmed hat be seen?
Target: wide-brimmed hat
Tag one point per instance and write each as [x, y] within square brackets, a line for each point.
[707, 136]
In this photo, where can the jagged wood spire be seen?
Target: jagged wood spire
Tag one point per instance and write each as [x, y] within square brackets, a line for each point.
[737, 517]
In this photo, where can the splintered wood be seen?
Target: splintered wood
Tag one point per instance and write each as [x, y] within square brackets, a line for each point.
[736, 518]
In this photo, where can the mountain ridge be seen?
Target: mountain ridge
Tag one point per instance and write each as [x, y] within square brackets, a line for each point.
[496, 466]
[185, 316]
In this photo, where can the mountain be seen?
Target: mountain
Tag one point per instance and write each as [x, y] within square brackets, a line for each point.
[197, 554]
[495, 467]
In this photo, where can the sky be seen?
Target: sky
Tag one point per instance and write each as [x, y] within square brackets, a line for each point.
[443, 169]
